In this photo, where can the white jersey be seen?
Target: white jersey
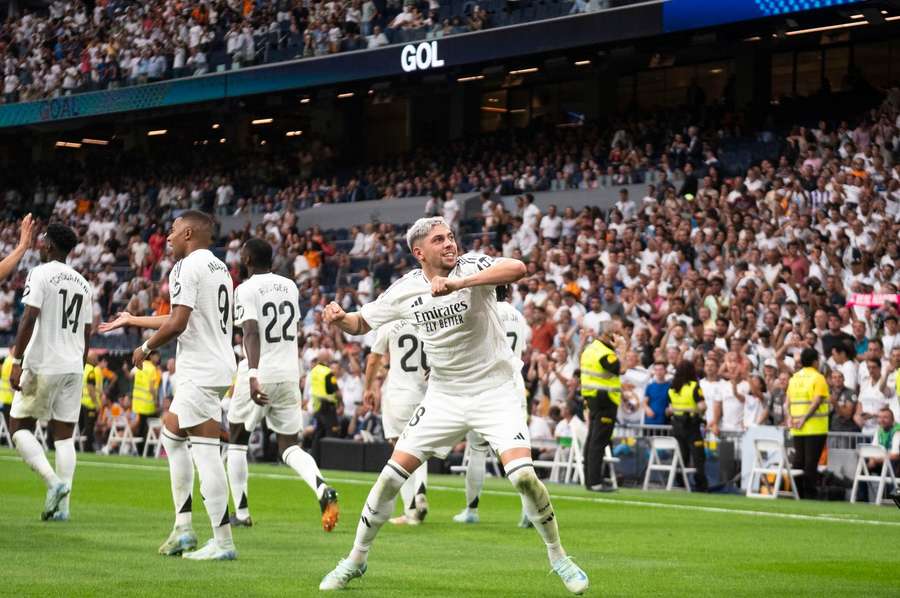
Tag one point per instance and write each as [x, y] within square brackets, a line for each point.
[517, 330]
[64, 299]
[274, 303]
[408, 362]
[204, 356]
[461, 332]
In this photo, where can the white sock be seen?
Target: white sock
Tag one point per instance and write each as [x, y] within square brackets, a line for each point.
[181, 473]
[475, 477]
[421, 475]
[536, 502]
[379, 506]
[213, 485]
[305, 466]
[32, 453]
[237, 478]
[65, 466]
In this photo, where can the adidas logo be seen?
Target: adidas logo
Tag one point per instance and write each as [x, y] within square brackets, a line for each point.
[519, 436]
[417, 302]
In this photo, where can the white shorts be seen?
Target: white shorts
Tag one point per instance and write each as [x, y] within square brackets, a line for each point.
[196, 404]
[46, 397]
[476, 440]
[396, 409]
[442, 420]
[283, 413]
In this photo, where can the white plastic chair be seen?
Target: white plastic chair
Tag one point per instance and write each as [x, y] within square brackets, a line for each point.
[154, 429]
[574, 467]
[79, 438]
[40, 432]
[770, 458]
[672, 467]
[121, 437]
[4, 432]
[873, 451]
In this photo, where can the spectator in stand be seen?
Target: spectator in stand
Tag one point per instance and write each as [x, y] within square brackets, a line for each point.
[656, 396]
[888, 437]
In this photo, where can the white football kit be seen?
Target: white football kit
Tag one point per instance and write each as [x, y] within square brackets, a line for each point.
[53, 361]
[204, 357]
[406, 382]
[519, 335]
[273, 302]
[472, 369]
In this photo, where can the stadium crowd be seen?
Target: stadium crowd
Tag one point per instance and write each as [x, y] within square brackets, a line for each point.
[738, 273]
[78, 46]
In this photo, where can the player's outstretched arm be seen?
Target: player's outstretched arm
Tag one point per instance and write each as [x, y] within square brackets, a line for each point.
[352, 324]
[502, 271]
[123, 318]
[172, 326]
[26, 234]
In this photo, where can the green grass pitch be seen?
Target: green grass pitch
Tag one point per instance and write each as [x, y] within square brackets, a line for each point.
[631, 543]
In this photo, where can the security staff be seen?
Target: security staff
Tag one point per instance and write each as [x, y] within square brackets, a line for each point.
[324, 391]
[807, 408]
[91, 399]
[601, 390]
[144, 393]
[6, 391]
[686, 408]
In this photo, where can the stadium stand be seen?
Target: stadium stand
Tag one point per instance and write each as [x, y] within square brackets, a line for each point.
[70, 48]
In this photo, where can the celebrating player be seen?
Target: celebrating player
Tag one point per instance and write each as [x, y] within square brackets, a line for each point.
[452, 303]
[402, 392]
[268, 381]
[519, 335]
[54, 334]
[201, 320]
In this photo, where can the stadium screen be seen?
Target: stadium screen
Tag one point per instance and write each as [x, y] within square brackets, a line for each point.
[694, 14]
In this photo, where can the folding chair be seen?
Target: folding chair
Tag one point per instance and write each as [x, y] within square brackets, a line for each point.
[4, 432]
[873, 451]
[769, 459]
[79, 438]
[40, 432]
[154, 429]
[120, 437]
[667, 443]
[576, 462]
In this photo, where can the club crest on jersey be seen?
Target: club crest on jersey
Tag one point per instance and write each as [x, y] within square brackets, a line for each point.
[441, 316]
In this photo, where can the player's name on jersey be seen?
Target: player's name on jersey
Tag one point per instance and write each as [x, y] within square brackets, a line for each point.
[216, 265]
[68, 277]
[441, 317]
[274, 287]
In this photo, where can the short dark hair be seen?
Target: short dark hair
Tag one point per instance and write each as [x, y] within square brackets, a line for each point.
[502, 292]
[260, 252]
[62, 237]
[808, 357]
[199, 219]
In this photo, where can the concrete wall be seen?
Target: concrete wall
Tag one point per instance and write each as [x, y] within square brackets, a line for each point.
[406, 210]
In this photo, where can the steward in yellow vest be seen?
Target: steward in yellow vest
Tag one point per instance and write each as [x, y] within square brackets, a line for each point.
[807, 408]
[324, 390]
[143, 394]
[91, 399]
[687, 406]
[6, 391]
[601, 389]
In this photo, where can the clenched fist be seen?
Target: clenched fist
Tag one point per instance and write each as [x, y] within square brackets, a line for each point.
[333, 313]
[441, 286]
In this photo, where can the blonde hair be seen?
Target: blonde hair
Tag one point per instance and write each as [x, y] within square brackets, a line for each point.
[420, 229]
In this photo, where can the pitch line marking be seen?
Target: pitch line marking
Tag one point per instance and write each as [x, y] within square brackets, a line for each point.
[850, 518]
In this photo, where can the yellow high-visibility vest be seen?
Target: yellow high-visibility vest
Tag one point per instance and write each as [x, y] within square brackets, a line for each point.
[6, 391]
[318, 387]
[92, 373]
[142, 400]
[683, 402]
[803, 388]
[594, 378]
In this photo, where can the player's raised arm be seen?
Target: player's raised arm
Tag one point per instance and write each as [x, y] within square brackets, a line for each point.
[352, 323]
[501, 271]
[26, 235]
